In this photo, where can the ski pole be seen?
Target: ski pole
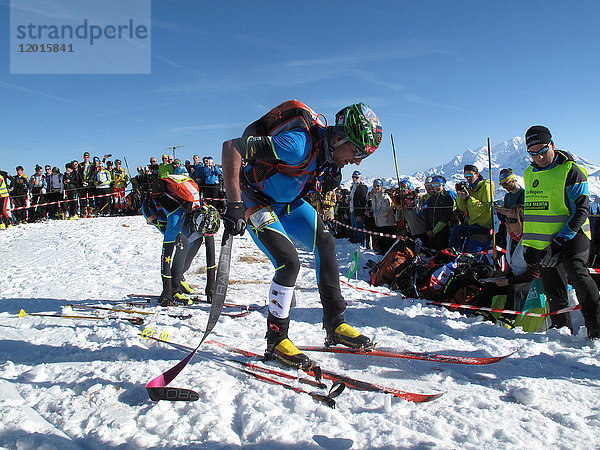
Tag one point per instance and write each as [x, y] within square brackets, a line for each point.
[395, 162]
[491, 200]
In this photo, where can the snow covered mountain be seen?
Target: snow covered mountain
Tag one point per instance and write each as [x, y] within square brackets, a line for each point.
[511, 153]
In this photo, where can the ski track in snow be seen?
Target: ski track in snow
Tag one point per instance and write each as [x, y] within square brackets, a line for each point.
[81, 384]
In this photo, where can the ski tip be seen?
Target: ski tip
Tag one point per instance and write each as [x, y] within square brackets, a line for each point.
[172, 394]
[432, 397]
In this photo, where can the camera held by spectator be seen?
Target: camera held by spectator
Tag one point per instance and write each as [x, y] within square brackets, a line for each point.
[462, 186]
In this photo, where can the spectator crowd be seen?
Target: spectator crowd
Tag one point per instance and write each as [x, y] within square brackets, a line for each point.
[93, 187]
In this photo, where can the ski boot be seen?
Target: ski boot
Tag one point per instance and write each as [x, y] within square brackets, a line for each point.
[182, 298]
[186, 287]
[280, 348]
[166, 300]
[339, 332]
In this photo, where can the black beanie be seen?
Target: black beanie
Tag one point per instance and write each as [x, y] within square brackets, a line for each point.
[471, 167]
[537, 134]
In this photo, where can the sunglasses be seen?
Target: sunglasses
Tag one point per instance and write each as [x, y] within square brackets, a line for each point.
[436, 184]
[469, 175]
[511, 220]
[359, 154]
[540, 151]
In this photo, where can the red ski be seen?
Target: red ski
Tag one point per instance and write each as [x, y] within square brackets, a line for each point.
[392, 353]
[352, 383]
[260, 373]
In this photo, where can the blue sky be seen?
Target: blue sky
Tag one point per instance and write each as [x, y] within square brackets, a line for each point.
[442, 77]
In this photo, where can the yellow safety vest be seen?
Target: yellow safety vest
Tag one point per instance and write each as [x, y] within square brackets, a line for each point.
[119, 179]
[3, 187]
[545, 209]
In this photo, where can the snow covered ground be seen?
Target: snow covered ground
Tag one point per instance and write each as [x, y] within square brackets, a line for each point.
[81, 384]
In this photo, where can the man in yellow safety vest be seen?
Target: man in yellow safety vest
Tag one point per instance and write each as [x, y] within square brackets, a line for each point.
[556, 230]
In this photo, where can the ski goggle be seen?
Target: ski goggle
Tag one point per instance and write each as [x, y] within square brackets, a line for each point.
[359, 154]
[540, 151]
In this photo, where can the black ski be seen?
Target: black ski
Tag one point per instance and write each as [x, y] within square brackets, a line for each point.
[195, 299]
[131, 311]
[133, 320]
[251, 307]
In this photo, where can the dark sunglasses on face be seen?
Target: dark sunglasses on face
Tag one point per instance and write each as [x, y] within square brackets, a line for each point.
[540, 151]
[436, 184]
[511, 220]
[469, 175]
[359, 154]
[353, 176]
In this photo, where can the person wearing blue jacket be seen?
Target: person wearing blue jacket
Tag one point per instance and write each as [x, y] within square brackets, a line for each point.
[279, 170]
[211, 173]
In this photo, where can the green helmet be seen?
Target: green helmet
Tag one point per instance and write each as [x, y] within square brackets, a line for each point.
[361, 126]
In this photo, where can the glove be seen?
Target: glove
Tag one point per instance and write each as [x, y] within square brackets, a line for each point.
[552, 256]
[532, 255]
[235, 218]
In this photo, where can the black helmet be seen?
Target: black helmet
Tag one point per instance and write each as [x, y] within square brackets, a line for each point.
[206, 220]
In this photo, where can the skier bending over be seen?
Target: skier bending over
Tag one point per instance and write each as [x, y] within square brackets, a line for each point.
[183, 235]
[265, 195]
